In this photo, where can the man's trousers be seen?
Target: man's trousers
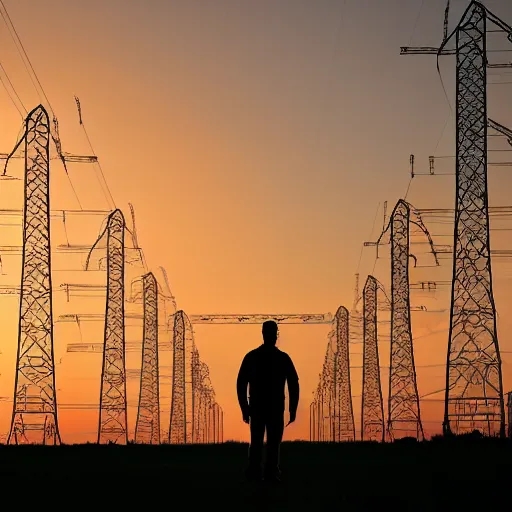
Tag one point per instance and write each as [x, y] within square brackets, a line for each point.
[273, 423]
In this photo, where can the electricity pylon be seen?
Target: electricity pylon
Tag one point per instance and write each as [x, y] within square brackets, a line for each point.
[474, 388]
[203, 403]
[196, 395]
[214, 419]
[178, 419]
[344, 429]
[147, 428]
[403, 401]
[113, 421]
[509, 414]
[193, 395]
[372, 410]
[34, 417]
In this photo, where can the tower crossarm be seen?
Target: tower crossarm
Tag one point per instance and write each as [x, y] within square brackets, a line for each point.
[442, 50]
[501, 129]
[130, 346]
[424, 50]
[255, 318]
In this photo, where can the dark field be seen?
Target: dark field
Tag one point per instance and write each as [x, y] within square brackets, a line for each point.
[462, 474]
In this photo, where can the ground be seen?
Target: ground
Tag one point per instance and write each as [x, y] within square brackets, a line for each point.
[462, 474]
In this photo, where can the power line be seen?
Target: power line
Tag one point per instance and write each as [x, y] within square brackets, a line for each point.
[108, 194]
[23, 53]
[14, 90]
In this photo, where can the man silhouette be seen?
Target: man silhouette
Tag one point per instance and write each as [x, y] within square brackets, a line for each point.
[265, 370]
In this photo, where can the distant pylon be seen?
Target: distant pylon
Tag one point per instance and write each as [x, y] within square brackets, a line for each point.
[205, 401]
[215, 423]
[221, 425]
[509, 411]
[34, 418]
[147, 429]
[474, 389]
[178, 420]
[113, 421]
[312, 428]
[201, 405]
[372, 410]
[344, 429]
[328, 390]
[357, 296]
[196, 395]
[403, 401]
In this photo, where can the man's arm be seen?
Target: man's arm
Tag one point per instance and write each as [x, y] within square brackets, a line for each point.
[293, 389]
[241, 388]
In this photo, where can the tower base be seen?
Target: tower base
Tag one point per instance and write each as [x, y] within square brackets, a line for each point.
[34, 428]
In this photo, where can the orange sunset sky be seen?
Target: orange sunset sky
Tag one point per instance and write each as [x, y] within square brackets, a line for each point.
[257, 142]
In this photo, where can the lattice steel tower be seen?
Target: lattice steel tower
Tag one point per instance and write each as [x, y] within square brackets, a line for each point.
[344, 429]
[509, 414]
[178, 420]
[196, 394]
[34, 418]
[474, 390]
[204, 403]
[372, 410]
[147, 428]
[403, 401]
[214, 419]
[113, 421]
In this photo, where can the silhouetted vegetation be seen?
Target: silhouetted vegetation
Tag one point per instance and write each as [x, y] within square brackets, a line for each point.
[405, 475]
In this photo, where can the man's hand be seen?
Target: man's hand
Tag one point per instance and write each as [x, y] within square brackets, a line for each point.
[246, 416]
[292, 418]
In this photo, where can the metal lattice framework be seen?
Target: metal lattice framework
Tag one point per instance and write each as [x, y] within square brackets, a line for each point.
[113, 418]
[178, 420]
[325, 396]
[215, 423]
[316, 413]
[207, 428]
[331, 413]
[193, 396]
[196, 395]
[147, 429]
[320, 428]
[372, 410]
[509, 414]
[208, 412]
[312, 421]
[403, 400]
[204, 401]
[474, 389]
[344, 429]
[34, 418]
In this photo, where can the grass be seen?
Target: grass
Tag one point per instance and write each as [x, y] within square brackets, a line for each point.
[434, 475]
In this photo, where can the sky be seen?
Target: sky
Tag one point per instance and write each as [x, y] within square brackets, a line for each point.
[258, 143]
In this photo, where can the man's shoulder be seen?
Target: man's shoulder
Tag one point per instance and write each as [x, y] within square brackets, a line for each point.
[252, 353]
[282, 353]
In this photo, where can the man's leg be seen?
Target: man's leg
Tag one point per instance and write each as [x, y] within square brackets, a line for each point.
[257, 424]
[275, 429]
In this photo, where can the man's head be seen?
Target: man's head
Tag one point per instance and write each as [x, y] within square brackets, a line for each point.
[269, 331]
